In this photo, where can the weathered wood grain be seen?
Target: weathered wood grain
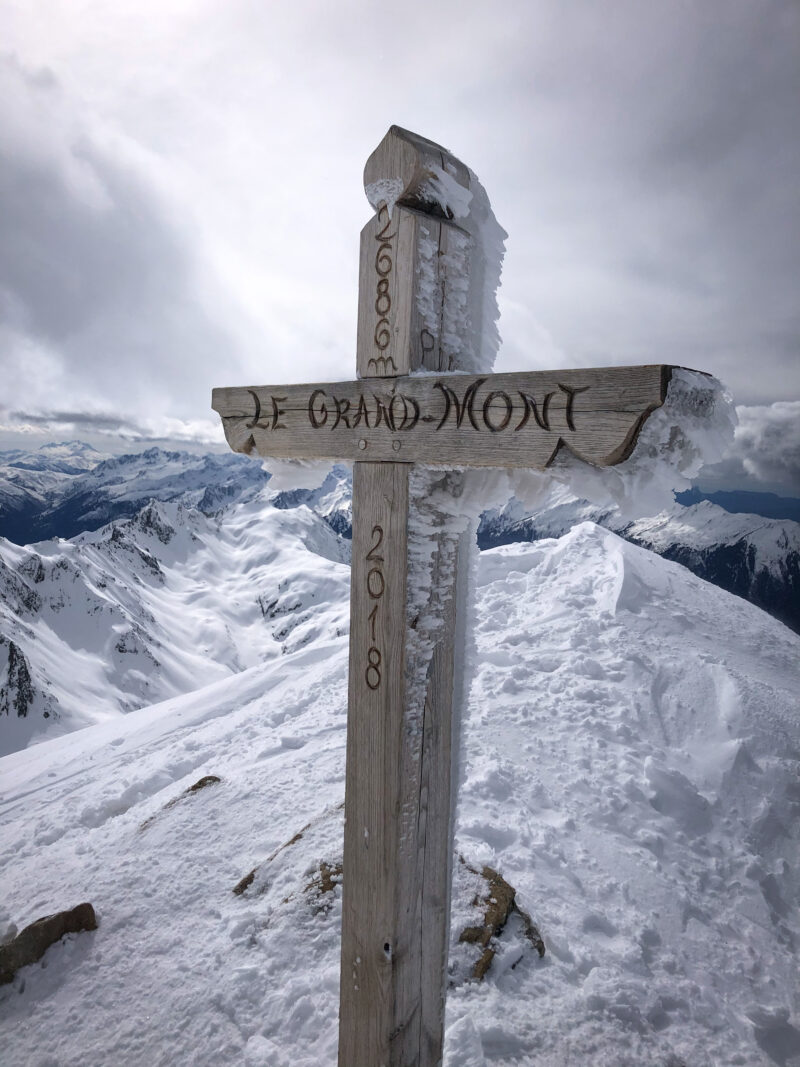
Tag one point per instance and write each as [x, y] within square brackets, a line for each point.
[400, 748]
[435, 633]
[499, 420]
[404, 168]
[395, 919]
[376, 705]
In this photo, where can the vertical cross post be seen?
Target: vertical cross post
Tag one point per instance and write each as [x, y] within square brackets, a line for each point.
[422, 292]
[398, 818]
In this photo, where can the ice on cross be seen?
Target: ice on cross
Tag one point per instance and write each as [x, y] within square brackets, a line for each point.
[424, 409]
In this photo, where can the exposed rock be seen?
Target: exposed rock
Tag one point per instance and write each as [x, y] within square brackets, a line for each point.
[323, 884]
[319, 830]
[201, 783]
[32, 942]
[498, 904]
[33, 568]
[16, 694]
[151, 520]
[247, 881]
[488, 901]
[207, 779]
[15, 591]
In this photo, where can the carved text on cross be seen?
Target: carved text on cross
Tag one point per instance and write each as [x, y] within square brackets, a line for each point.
[465, 420]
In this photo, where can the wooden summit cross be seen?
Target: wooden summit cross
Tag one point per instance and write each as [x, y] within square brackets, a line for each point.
[416, 266]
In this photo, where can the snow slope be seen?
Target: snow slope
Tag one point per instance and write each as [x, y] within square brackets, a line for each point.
[158, 605]
[630, 755]
[754, 557]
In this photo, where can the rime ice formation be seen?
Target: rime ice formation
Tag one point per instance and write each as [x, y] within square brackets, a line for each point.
[692, 428]
[472, 269]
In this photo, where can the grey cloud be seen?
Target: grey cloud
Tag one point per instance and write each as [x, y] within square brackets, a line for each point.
[768, 440]
[92, 426]
[78, 420]
[661, 218]
[91, 266]
[765, 454]
[644, 158]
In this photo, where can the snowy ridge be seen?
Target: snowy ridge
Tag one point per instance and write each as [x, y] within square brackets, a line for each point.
[129, 610]
[630, 753]
[332, 499]
[753, 557]
[705, 525]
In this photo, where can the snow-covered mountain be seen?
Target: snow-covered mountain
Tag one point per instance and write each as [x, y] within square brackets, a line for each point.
[28, 480]
[155, 606]
[130, 613]
[751, 556]
[629, 763]
[63, 490]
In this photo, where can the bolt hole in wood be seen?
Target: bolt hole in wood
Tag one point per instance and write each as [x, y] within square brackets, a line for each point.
[417, 263]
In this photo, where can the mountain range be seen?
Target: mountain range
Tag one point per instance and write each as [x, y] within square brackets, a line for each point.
[150, 600]
[64, 489]
[628, 764]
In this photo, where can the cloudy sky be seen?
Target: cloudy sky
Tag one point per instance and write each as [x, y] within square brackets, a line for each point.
[181, 195]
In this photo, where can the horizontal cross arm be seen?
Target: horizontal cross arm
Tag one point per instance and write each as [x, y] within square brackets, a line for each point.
[493, 420]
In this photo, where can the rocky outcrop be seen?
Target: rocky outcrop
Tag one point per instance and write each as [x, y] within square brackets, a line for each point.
[201, 783]
[496, 905]
[31, 943]
[16, 687]
[16, 593]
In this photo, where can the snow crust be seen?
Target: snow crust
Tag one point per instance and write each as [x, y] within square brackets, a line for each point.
[630, 759]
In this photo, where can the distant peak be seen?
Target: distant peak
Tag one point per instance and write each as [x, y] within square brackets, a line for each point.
[72, 446]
